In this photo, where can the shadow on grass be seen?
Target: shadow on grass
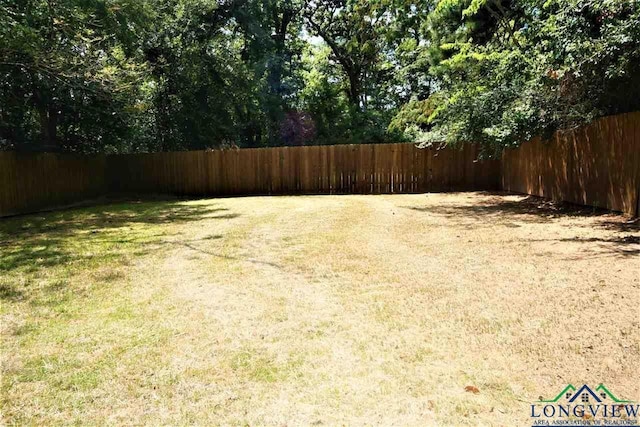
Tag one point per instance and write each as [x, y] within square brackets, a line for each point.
[33, 242]
[627, 246]
[9, 293]
[623, 246]
[529, 209]
[109, 216]
[497, 210]
[190, 245]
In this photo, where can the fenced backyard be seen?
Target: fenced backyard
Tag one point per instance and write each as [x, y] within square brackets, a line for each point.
[319, 213]
[597, 165]
[336, 169]
[338, 302]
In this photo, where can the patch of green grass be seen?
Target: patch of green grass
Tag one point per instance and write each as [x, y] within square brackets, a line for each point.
[257, 366]
[60, 373]
[98, 234]
[69, 318]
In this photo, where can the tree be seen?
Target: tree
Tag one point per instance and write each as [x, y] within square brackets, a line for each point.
[65, 69]
[273, 49]
[149, 75]
[512, 69]
[351, 29]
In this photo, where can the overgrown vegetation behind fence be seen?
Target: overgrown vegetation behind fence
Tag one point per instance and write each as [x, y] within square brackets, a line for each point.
[597, 165]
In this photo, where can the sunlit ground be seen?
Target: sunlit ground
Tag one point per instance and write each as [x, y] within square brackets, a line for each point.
[314, 310]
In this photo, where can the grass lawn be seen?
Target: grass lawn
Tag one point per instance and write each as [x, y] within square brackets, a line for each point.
[314, 310]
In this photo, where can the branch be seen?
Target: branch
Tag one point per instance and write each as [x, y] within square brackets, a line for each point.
[500, 20]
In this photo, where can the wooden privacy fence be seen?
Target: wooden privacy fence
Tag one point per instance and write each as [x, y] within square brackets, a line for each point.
[30, 182]
[349, 169]
[595, 165]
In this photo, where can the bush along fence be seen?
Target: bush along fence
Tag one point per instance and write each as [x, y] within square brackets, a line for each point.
[596, 165]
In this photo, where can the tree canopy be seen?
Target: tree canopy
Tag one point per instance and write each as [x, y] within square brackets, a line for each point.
[153, 75]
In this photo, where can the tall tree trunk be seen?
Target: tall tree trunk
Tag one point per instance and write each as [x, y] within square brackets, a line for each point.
[354, 88]
[48, 126]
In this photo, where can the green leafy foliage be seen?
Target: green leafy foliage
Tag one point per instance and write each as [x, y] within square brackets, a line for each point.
[513, 69]
[149, 75]
[66, 76]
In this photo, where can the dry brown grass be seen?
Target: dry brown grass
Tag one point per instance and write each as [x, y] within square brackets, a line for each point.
[309, 310]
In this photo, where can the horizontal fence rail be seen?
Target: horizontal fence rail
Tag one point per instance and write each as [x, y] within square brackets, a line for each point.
[596, 165]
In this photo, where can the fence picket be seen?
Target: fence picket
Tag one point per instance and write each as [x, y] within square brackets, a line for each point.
[595, 165]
